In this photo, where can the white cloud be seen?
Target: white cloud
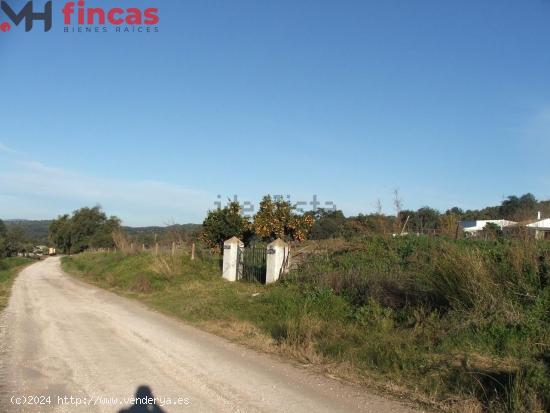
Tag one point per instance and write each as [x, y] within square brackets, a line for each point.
[6, 149]
[27, 186]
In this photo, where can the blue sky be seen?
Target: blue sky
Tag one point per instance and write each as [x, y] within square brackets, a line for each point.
[348, 100]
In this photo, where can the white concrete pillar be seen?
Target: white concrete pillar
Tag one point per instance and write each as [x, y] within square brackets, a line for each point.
[277, 256]
[230, 258]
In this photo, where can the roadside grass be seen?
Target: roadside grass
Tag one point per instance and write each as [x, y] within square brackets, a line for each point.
[9, 267]
[459, 325]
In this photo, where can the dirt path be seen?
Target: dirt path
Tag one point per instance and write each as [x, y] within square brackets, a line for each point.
[62, 338]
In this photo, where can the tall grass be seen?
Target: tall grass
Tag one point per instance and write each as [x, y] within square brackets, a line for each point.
[462, 324]
[9, 267]
[472, 315]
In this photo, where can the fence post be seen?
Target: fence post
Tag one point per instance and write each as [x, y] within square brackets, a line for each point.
[231, 258]
[193, 252]
[173, 248]
[156, 248]
[277, 259]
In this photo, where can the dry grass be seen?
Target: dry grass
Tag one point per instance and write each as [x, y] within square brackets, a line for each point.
[242, 332]
[461, 326]
[167, 264]
[9, 268]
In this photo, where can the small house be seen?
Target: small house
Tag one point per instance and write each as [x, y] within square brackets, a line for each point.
[541, 228]
[474, 227]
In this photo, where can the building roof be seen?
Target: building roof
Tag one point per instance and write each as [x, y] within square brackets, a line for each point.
[543, 224]
[478, 225]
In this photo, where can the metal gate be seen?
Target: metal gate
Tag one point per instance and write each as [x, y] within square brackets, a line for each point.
[252, 264]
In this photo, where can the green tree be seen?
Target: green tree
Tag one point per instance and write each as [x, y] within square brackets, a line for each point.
[425, 218]
[90, 228]
[515, 207]
[103, 236]
[86, 228]
[222, 224]
[3, 229]
[14, 242]
[3, 232]
[60, 233]
[328, 224]
[455, 211]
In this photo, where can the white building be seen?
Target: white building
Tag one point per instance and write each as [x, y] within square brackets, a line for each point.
[541, 228]
[474, 226]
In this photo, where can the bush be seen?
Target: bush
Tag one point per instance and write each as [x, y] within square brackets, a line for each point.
[225, 223]
[424, 300]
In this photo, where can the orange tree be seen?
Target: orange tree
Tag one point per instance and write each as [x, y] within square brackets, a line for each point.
[277, 219]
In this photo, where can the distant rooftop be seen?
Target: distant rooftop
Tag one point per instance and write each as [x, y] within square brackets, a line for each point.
[543, 224]
[478, 225]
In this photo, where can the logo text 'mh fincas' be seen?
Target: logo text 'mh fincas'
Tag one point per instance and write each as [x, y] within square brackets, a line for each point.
[75, 13]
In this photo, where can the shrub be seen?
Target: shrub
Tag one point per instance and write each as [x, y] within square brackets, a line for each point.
[222, 224]
[468, 314]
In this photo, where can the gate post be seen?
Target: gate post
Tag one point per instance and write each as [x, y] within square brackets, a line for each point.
[277, 256]
[231, 258]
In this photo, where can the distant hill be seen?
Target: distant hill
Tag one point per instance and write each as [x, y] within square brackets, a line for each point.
[37, 231]
[149, 230]
[148, 235]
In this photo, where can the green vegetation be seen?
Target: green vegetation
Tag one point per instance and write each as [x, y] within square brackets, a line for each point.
[86, 228]
[12, 241]
[327, 224]
[148, 236]
[463, 325]
[34, 231]
[425, 220]
[222, 224]
[37, 232]
[9, 267]
[276, 218]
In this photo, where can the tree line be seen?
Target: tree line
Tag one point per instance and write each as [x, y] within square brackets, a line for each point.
[85, 228]
[278, 219]
[89, 227]
[330, 224]
[13, 241]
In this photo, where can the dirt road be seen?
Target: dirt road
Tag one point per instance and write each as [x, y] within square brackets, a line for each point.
[65, 339]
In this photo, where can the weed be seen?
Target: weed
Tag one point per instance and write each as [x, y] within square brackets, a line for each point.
[461, 323]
